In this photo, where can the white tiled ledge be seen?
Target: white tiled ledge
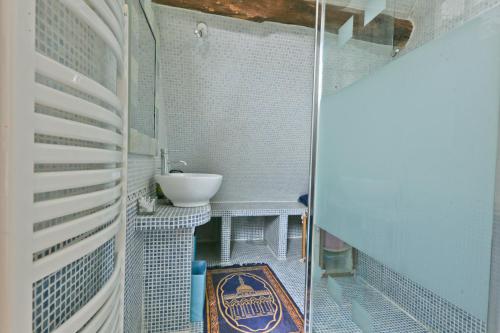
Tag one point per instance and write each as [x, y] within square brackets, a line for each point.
[257, 208]
[170, 217]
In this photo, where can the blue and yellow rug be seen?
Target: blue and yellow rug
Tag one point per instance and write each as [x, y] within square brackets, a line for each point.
[249, 299]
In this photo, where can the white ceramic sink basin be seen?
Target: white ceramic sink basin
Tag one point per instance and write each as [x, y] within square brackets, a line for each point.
[189, 189]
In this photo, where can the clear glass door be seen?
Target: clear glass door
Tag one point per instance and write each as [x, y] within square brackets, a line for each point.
[405, 167]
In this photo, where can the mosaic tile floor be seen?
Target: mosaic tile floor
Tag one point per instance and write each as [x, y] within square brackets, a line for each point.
[328, 316]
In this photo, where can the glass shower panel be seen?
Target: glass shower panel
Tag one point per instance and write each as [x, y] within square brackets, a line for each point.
[357, 38]
[405, 171]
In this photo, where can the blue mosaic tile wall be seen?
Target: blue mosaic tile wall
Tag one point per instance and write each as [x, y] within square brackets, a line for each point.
[59, 295]
[167, 279]
[134, 277]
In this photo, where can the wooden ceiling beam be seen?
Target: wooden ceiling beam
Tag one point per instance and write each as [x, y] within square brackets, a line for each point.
[384, 29]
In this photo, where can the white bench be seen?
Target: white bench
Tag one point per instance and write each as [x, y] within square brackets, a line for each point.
[275, 230]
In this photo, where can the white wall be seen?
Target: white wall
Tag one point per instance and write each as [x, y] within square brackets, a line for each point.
[239, 103]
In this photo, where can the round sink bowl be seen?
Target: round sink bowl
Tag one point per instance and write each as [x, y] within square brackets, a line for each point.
[189, 189]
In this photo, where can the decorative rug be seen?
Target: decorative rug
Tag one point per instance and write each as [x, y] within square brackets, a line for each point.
[249, 299]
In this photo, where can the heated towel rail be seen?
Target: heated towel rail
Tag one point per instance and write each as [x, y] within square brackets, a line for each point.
[63, 178]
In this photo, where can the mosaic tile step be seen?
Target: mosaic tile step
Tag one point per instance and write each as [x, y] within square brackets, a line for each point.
[170, 217]
[436, 312]
[357, 303]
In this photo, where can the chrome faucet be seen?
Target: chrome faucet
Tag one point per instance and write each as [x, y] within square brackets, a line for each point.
[165, 163]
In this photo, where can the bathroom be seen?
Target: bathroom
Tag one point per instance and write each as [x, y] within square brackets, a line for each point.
[224, 166]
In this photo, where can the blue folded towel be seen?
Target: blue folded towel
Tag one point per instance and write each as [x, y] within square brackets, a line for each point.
[304, 199]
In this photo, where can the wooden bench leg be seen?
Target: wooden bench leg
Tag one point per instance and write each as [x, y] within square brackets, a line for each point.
[225, 246]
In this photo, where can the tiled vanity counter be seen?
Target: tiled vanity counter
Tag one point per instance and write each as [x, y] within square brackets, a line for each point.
[169, 217]
[168, 248]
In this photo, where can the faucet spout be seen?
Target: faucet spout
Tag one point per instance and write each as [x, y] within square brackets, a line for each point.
[181, 162]
[178, 163]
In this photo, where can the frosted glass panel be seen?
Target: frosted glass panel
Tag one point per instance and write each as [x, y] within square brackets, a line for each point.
[406, 163]
[373, 9]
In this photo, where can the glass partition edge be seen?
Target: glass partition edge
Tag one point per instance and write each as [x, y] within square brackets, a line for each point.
[317, 89]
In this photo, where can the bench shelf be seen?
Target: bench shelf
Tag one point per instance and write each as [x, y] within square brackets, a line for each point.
[276, 227]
